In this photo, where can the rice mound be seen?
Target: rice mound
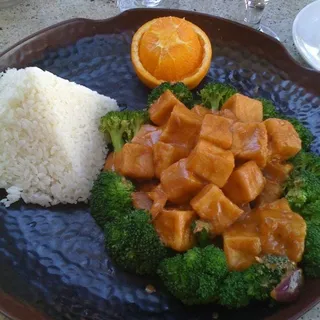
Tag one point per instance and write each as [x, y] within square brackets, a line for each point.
[51, 150]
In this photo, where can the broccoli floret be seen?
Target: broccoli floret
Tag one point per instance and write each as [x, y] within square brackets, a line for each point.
[179, 89]
[137, 119]
[255, 283]
[306, 161]
[311, 257]
[110, 197]
[311, 210]
[194, 277]
[122, 126]
[133, 243]
[115, 124]
[266, 274]
[203, 233]
[234, 291]
[269, 109]
[301, 188]
[304, 133]
[214, 95]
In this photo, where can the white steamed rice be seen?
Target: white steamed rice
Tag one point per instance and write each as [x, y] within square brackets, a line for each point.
[51, 150]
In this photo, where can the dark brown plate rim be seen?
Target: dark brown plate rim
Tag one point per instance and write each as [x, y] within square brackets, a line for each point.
[27, 39]
[17, 310]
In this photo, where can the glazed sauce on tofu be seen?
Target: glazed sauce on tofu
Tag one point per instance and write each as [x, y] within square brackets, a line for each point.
[224, 169]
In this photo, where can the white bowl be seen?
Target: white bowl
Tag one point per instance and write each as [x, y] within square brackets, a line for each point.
[306, 34]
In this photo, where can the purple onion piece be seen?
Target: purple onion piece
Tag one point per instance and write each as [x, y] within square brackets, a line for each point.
[289, 288]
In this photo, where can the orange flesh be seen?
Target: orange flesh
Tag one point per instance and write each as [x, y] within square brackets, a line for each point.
[167, 42]
[171, 49]
[225, 169]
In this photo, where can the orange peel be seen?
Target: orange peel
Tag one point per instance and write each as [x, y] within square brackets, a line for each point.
[171, 49]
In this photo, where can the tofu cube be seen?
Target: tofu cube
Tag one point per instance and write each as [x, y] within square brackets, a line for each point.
[284, 139]
[250, 142]
[227, 113]
[271, 192]
[201, 111]
[213, 206]
[165, 154]
[136, 161]
[244, 108]
[161, 109]
[280, 205]
[211, 163]
[141, 200]
[217, 130]
[182, 128]
[247, 224]
[159, 198]
[241, 250]
[245, 183]
[174, 229]
[277, 171]
[109, 164]
[180, 184]
[147, 135]
[282, 233]
[113, 162]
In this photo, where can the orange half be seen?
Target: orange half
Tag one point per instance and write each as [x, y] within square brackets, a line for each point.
[171, 49]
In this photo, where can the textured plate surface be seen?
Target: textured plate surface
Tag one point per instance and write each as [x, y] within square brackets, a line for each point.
[54, 259]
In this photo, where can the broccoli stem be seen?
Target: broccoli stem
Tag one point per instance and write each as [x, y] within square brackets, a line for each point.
[117, 140]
